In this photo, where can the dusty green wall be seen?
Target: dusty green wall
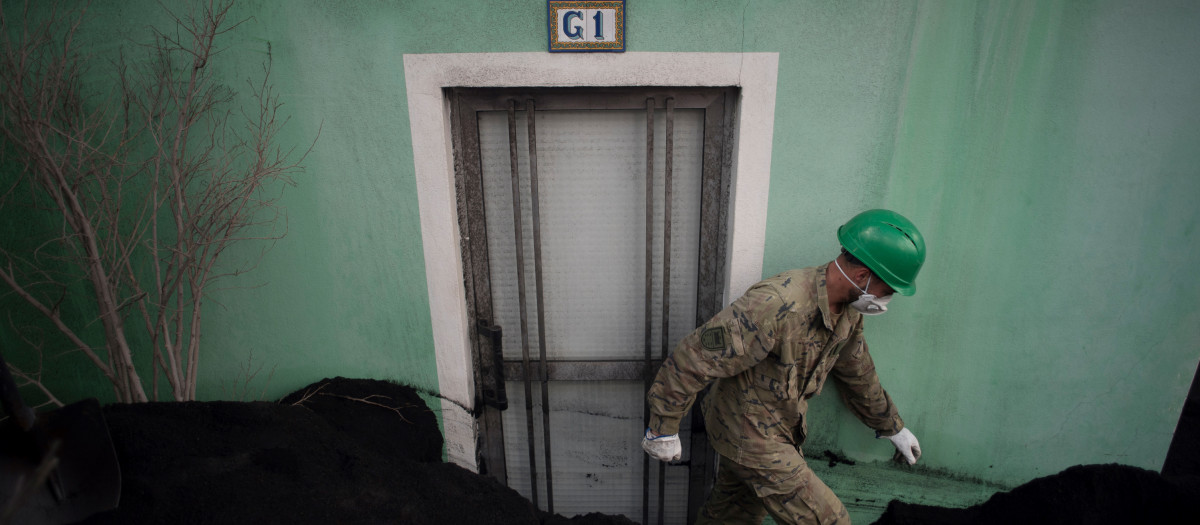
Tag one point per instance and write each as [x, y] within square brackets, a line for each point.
[1046, 149]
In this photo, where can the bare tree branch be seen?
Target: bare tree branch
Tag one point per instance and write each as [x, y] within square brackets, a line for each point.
[150, 186]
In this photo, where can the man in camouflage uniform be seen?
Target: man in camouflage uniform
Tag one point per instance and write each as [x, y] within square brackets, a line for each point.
[768, 353]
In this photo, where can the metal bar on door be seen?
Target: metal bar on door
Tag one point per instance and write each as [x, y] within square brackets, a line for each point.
[648, 375]
[578, 370]
[541, 309]
[518, 229]
[668, 166]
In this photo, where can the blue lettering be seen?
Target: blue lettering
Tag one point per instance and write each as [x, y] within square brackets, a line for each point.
[599, 18]
[572, 32]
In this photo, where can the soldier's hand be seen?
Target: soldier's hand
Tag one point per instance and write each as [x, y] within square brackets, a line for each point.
[907, 445]
[662, 448]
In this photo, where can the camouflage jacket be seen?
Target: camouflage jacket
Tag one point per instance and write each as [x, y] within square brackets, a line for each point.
[769, 352]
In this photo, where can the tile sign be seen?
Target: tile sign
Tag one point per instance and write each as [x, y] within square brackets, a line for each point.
[579, 26]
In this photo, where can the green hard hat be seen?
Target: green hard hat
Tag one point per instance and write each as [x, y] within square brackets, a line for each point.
[888, 244]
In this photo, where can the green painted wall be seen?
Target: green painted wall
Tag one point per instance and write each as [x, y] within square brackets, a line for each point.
[1046, 149]
[1049, 152]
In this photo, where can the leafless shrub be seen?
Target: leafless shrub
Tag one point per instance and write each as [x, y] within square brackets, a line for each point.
[149, 185]
[239, 389]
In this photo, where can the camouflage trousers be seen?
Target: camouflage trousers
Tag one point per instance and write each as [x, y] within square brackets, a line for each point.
[790, 495]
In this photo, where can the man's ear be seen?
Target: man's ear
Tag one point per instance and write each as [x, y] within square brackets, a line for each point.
[860, 273]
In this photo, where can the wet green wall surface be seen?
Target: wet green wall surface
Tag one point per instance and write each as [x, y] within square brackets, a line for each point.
[1047, 150]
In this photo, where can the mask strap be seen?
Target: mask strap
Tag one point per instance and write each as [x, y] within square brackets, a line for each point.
[839, 267]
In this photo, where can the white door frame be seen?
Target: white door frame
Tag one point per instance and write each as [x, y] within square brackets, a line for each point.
[426, 76]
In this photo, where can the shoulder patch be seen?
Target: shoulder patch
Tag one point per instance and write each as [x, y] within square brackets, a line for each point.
[713, 338]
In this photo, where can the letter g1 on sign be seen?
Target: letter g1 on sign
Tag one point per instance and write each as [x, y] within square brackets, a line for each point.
[583, 26]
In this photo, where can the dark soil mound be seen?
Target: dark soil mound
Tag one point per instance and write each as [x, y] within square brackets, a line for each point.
[381, 416]
[594, 518]
[1084, 494]
[312, 462]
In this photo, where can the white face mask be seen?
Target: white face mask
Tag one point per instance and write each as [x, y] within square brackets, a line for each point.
[866, 303]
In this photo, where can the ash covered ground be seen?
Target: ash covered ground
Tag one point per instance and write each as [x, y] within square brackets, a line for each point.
[338, 451]
[365, 451]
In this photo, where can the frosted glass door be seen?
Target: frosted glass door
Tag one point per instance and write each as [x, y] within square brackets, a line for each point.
[592, 186]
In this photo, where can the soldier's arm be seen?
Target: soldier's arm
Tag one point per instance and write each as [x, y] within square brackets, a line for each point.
[730, 343]
[854, 373]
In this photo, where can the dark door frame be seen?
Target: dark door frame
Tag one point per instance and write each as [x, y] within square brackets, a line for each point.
[490, 368]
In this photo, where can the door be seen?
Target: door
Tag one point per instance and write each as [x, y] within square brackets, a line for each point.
[576, 206]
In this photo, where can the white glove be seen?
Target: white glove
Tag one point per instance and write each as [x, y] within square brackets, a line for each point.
[906, 445]
[662, 448]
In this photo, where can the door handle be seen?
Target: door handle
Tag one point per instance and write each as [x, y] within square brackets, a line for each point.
[497, 396]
